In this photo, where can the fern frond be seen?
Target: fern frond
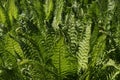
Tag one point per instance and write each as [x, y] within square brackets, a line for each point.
[48, 8]
[83, 50]
[2, 16]
[12, 11]
[58, 14]
[60, 59]
[98, 48]
[72, 33]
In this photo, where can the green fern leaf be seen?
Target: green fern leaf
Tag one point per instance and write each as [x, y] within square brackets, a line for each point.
[48, 8]
[83, 50]
[58, 14]
[2, 16]
[12, 11]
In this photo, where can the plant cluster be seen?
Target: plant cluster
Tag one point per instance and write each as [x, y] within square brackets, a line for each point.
[59, 40]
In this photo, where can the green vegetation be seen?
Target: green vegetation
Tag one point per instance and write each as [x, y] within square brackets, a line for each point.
[59, 40]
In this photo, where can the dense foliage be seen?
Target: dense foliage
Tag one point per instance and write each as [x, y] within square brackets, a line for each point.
[59, 40]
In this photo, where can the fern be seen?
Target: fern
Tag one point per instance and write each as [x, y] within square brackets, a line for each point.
[12, 11]
[2, 16]
[58, 14]
[72, 33]
[83, 51]
[48, 8]
[61, 60]
[59, 40]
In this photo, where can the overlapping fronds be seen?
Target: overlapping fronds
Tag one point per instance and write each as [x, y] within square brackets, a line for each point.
[59, 40]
